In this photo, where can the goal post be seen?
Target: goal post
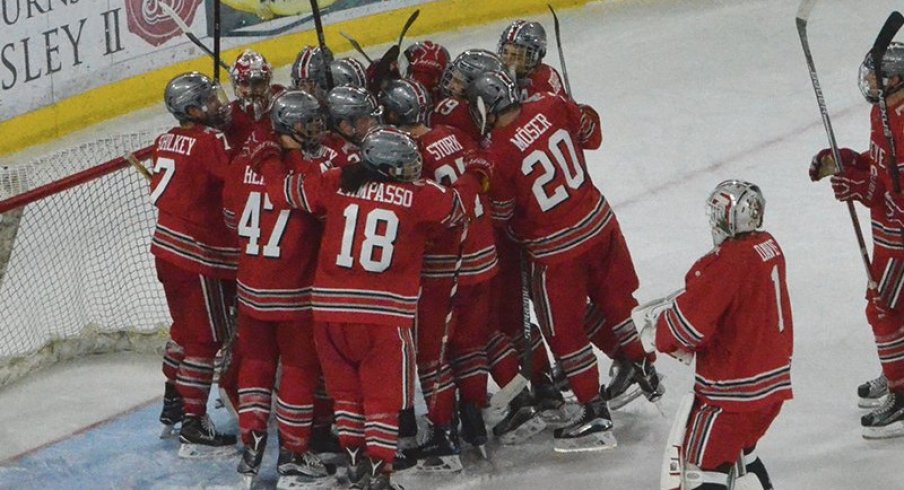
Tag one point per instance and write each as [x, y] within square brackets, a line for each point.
[76, 274]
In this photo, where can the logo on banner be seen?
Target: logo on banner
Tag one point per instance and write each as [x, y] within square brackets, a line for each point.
[148, 21]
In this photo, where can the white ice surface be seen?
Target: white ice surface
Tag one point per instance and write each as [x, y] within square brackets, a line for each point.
[690, 93]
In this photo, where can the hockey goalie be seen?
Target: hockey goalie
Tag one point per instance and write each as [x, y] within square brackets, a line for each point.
[734, 317]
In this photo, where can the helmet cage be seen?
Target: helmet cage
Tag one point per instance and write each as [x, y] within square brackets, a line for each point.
[892, 65]
[735, 207]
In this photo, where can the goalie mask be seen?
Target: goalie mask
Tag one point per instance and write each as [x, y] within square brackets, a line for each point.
[735, 207]
[392, 153]
[522, 46]
[465, 68]
[251, 75]
[298, 114]
[427, 61]
[892, 65]
[197, 90]
[353, 111]
[406, 102]
[489, 95]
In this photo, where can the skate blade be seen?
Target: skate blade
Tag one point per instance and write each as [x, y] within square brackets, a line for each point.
[892, 430]
[625, 398]
[300, 482]
[870, 403]
[524, 432]
[560, 417]
[440, 464]
[196, 451]
[598, 441]
[170, 431]
[248, 481]
[483, 451]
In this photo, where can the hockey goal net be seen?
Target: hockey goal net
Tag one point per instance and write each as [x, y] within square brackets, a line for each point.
[76, 276]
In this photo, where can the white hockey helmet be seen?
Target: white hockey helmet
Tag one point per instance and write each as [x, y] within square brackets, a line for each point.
[734, 207]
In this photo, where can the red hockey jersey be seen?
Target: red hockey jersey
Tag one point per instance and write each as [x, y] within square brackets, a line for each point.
[887, 234]
[445, 151]
[278, 246]
[541, 185]
[454, 112]
[242, 124]
[342, 152]
[735, 315]
[187, 186]
[370, 259]
[544, 79]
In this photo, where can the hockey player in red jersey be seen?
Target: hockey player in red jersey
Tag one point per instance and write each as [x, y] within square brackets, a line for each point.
[251, 77]
[353, 111]
[275, 275]
[866, 178]
[427, 61]
[571, 237]
[734, 315]
[194, 253]
[522, 47]
[453, 109]
[377, 216]
[446, 152]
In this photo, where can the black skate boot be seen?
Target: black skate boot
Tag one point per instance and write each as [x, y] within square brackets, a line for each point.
[592, 431]
[407, 445]
[649, 380]
[872, 392]
[622, 388]
[200, 438]
[297, 470]
[522, 421]
[379, 479]
[551, 404]
[441, 453]
[887, 421]
[172, 411]
[560, 379]
[357, 467]
[473, 428]
[252, 454]
[324, 441]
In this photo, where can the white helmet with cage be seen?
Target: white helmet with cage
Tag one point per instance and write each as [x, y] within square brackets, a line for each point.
[734, 207]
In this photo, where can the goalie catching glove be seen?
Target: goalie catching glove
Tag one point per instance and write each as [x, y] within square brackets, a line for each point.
[645, 318]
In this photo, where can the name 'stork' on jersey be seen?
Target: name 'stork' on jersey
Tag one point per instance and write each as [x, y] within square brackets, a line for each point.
[190, 165]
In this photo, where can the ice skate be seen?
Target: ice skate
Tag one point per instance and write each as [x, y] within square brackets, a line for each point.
[522, 421]
[628, 380]
[324, 441]
[551, 404]
[380, 480]
[887, 421]
[357, 468]
[172, 413]
[302, 471]
[441, 453]
[252, 454]
[200, 439]
[872, 392]
[473, 427]
[592, 431]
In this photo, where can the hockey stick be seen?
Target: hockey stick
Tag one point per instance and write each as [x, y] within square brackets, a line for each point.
[450, 312]
[381, 69]
[555, 19]
[130, 157]
[318, 26]
[883, 40]
[803, 14]
[357, 46]
[191, 37]
[507, 393]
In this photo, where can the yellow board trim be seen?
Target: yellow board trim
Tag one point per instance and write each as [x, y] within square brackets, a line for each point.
[141, 91]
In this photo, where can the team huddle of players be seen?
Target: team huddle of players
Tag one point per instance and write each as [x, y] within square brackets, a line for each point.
[370, 227]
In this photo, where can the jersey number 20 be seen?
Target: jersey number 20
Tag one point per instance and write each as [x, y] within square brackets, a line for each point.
[566, 161]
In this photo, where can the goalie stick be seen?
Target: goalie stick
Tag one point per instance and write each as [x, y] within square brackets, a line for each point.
[191, 37]
[555, 20]
[883, 40]
[321, 41]
[803, 15]
[130, 157]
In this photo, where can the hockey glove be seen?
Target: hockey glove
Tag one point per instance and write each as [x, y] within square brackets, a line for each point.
[854, 184]
[481, 168]
[823, 163]
[589, 122]
[894, 207]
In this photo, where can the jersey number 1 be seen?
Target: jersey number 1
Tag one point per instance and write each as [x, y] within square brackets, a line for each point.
[777, 283]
